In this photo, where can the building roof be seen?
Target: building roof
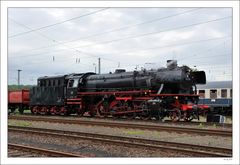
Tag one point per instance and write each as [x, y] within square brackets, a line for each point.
[215, 85]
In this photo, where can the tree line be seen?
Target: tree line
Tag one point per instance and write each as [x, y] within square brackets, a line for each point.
[19, 87]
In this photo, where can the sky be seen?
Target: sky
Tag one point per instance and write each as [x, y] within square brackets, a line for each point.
[57, 41]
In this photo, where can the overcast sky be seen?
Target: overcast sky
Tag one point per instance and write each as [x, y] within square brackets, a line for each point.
[56, 41]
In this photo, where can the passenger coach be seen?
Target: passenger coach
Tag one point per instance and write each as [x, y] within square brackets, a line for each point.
[218, 95]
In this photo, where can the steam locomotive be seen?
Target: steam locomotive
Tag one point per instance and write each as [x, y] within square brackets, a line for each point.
[169, 91]
[165, 92]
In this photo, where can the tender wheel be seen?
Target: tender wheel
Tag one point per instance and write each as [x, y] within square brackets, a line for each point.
[64, 111]
[34, 110]
[44, 111]
[53, 110]
[175, 115]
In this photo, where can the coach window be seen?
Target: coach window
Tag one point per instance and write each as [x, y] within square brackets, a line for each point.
[224, 93]
[213, 94]
[202, 93]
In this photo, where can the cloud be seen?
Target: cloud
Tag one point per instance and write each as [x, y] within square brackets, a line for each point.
[129, 36]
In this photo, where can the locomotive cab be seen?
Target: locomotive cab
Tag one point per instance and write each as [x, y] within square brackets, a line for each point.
[72, 87]
[75, 84]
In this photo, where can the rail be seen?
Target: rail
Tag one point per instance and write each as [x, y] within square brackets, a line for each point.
[42, 151]
[204, 132]
[191, 149]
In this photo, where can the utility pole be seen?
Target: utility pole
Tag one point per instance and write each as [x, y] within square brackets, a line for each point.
[95, 67]
[19, 76]
[99, 65]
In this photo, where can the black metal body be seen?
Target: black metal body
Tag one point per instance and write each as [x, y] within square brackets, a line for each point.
[49, 91]
[172, 80]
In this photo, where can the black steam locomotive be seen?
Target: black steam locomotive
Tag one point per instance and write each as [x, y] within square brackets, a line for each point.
[146, 94]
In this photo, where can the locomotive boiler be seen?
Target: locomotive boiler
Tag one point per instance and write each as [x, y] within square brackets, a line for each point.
[118, 94]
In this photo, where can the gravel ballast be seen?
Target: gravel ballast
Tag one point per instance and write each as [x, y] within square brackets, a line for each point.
[214, 141]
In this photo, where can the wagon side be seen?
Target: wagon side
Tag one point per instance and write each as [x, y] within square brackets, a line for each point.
[18, 100]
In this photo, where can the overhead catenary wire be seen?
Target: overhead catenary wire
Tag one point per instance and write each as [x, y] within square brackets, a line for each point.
[80, 51]
[121, 28]
[129, 51]
[219, 55]
[54, 40]
[102, 51]
[58, 23]
[154, 32]
[43, 35]
[198, 53]
[175, 45]
[195, 54]
[183, 44]
[202, 51]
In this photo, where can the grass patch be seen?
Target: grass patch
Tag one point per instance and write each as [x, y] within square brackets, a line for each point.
[200, 125]
[16, 112]
[19, 123]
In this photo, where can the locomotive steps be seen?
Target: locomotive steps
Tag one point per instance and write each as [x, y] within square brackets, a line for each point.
[204, 132]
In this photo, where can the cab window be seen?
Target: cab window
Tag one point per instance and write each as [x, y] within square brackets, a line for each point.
[73, 83]
[70, 83]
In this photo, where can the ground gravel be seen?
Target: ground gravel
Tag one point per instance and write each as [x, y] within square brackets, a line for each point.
[214, 141]
[86, 147]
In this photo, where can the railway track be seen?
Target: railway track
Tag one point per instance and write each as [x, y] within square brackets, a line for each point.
[17, 150]
[189, 149]
[184, 123]
[210, 132]
[226, 125]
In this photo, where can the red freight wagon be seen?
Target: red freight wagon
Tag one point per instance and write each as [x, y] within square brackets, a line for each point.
[18, 99]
